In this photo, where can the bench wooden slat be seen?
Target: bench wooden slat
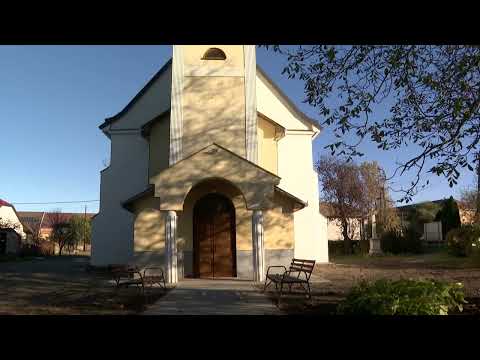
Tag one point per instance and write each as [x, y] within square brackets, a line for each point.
[297, 268]
[304, 261]
[286, 279]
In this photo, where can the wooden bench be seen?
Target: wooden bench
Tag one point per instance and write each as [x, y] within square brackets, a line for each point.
[125, 276]
[299, 273]
[157, 277]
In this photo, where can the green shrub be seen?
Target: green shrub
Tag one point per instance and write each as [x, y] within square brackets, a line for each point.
[364, 246]
[396, 242]
[449, 216]
[413, 242]
[390, 242]
[462, 241]
[403, 297]
[419, 214]
[336, 248]
[43, 248]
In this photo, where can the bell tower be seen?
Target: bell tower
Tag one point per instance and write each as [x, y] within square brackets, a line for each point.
[213, 100]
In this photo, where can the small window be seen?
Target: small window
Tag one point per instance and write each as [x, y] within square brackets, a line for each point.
[214, 54]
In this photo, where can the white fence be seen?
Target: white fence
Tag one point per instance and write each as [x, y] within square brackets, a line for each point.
[432, 233]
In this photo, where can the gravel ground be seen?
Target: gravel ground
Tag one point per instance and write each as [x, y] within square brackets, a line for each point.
[60, 285]
[344, 273]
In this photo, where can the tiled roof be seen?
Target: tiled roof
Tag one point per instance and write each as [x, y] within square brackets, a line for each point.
[34, 217]
[4, 203]
[327, 210]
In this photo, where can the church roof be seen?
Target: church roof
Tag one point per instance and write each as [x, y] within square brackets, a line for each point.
[26, 228]
[290, 104]
[110, 120]
[150, 189]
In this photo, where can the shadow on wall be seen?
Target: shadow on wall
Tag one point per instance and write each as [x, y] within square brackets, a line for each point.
[149, 230]
[174, 183]
[213, 112]
[278, 221]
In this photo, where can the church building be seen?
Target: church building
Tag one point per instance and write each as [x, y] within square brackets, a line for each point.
[211, 172]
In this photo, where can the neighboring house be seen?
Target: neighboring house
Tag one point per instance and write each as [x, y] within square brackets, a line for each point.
[432, 230]
[12, 230]
[467, 214]
[334, 227]
[39, 220]
[211, 172]
[10, 241]
[427, 207]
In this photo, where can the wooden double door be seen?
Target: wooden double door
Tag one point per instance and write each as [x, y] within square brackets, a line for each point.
[214, 244]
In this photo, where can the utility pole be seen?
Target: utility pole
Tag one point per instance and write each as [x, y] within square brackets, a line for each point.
[382, 206]
[477, 197]
[85, 228]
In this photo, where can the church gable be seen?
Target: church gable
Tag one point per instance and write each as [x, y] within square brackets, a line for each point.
[274, 104]
[151, 101]
[173, 184]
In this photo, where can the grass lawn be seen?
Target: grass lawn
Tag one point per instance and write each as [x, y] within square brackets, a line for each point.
[439, 259]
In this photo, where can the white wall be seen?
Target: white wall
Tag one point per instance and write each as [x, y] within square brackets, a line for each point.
[7, 214]
[274, 108]
[112, 232]
[432, 231]
[127, 175]
[295, 167]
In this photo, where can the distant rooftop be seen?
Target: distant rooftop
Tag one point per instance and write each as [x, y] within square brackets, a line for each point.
[439, 202]
[4, 203]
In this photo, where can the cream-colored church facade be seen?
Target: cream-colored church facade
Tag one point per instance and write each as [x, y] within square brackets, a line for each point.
[211, 172]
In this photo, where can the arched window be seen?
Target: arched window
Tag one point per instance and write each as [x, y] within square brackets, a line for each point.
[214, 54]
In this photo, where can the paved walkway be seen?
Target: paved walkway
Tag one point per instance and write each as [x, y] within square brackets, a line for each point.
[214, 297]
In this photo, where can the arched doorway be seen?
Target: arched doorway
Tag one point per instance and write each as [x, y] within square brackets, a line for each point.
[214, 244]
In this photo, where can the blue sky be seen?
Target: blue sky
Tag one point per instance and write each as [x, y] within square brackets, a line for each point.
[52, 99]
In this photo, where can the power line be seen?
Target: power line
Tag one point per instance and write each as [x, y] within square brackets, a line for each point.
[54, 202]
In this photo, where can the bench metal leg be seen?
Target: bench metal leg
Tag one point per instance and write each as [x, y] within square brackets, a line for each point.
[280, 294]
[309, 294]
[266, 285]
